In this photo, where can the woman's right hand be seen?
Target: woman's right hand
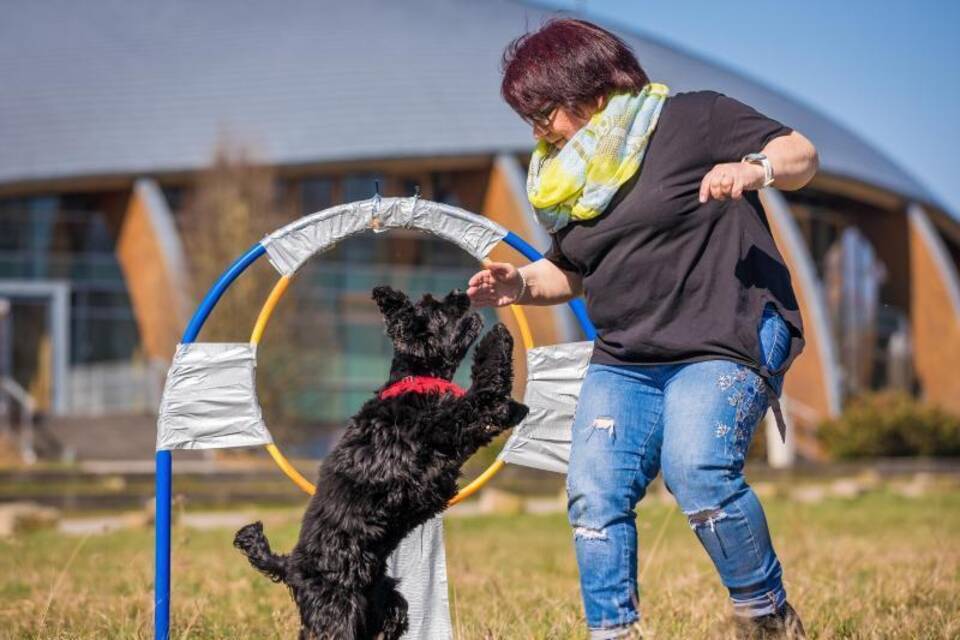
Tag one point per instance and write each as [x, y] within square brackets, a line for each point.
[495, 286]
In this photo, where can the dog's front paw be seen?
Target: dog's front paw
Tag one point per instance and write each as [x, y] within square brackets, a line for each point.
[468, 328]
[503, 415]
[516, 413]
[493, 361]
[510, 414]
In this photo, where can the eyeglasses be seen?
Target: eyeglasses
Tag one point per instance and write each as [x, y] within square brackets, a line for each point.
[543, 118]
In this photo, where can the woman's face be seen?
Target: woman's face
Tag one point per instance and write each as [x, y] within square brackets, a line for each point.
[562, 123]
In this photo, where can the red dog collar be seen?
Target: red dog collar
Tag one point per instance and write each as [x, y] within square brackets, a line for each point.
[421, 384]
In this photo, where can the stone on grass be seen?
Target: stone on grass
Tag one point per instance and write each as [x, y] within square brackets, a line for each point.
[546, 504]
[808, 494]
[847, 488]
[495, 501]
[765, 489]
[919, 485]
[870, 479]
[18, 517]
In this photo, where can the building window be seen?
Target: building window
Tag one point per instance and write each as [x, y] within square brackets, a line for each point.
[852, 244]
[316, 194]
[68, 238]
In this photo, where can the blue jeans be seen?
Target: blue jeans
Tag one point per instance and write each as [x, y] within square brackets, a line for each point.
[694, 422]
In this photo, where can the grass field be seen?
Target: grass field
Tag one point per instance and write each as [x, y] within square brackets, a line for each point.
[880, 566]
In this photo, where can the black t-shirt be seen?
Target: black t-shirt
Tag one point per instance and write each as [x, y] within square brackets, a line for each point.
[667, 279]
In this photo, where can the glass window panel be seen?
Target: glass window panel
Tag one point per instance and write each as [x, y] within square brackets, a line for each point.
[316, 194]
[360, 186]
[67, 237]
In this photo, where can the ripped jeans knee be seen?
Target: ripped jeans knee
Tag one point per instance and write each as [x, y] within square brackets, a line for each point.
[591, 510]
[605, 539]
[706, 518]
[704, 525]
[581, 532]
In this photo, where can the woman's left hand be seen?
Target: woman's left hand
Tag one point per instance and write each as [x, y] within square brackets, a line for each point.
[730, 180]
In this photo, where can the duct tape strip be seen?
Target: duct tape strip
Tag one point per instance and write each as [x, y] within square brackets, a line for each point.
[209, 400]
[288, 248]
[554, 376]
[420, 563]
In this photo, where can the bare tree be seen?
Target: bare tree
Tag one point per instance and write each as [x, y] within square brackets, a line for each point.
[234, 204]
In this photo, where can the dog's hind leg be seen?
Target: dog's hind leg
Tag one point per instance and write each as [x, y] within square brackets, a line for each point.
[333, 615]
[254, 544]
[391, 609]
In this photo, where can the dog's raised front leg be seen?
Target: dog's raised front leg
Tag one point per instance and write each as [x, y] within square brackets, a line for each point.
[488, 408]
[492, 370]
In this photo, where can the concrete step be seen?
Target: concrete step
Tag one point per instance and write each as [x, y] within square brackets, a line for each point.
[115, 437]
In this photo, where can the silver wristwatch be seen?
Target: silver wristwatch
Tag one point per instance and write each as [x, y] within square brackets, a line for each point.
[763, 161]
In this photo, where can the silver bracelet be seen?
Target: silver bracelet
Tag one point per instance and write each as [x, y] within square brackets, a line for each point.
[523, 287]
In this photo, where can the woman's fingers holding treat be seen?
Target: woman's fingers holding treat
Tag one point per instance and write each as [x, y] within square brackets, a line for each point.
[480, 288]
[496, 285]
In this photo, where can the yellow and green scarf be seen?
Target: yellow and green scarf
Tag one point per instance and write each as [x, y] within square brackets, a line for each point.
[578, 181]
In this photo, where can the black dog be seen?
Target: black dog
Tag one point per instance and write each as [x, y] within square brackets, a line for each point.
[395, 467]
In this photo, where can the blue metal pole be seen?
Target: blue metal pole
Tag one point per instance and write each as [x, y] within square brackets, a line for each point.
[161, 594]
[164, 459]
[521, 245]
[217, 290]
[579, 309]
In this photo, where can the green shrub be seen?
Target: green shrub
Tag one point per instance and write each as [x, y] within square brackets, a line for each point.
[891, 423]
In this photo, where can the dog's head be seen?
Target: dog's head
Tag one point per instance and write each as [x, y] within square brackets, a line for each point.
[431, 337]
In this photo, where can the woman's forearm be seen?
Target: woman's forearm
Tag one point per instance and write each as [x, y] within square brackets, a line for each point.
[548, 284]
[794, 159]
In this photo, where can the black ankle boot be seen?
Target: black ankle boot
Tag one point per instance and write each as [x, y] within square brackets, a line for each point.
[783, 625]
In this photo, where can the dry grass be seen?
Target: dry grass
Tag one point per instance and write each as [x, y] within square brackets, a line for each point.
[877, 567]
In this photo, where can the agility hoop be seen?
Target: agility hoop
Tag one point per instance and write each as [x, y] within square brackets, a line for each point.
[287, 250]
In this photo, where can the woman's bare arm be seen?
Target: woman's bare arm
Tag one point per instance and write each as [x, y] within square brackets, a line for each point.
[500, 284]
[794, 158]
[795, 161]
[549, 284]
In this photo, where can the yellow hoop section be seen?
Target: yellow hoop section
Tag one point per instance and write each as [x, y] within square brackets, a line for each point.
[290, 471]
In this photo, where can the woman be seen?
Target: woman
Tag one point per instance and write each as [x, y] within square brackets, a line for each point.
[651, 203]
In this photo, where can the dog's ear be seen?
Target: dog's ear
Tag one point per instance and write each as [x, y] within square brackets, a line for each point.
[390, 301]
[458, 301]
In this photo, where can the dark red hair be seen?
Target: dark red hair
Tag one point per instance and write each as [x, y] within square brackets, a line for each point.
[567, 63]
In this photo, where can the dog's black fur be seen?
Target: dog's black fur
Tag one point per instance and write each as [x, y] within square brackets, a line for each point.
[395, 467]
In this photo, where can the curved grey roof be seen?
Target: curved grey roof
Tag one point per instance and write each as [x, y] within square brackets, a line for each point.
[137, 86]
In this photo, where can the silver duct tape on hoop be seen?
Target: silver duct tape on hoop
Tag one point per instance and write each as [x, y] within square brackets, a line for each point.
[288, 248]
[210, 399]
[420, 562]
[554, 376]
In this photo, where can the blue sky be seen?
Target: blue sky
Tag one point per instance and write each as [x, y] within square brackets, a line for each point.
[886, 70]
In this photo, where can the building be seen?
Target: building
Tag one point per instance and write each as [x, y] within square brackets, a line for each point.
[110, 110]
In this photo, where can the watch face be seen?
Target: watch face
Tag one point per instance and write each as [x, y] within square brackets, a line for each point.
[761, 159]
